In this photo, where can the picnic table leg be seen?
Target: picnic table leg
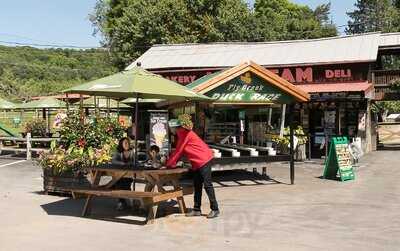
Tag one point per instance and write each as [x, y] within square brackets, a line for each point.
[152, 213]
[264, 171]
[181, 201]
[86, 207]
[95, 182]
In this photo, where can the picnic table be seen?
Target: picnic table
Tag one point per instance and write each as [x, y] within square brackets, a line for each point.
[155, 190]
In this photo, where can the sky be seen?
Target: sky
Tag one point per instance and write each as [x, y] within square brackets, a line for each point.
[65, 22]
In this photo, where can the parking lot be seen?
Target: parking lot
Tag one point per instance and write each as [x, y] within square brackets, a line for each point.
[257, 214]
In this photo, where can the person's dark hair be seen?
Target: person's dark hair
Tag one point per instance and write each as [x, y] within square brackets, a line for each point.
[154, 148]
[120, 148]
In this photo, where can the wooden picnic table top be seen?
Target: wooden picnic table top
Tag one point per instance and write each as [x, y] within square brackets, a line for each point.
[132, 171]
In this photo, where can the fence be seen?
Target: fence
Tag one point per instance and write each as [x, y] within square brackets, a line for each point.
[27, 141]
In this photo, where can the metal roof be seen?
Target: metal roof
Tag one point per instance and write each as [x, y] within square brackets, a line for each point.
[390, 40]
[343, 49]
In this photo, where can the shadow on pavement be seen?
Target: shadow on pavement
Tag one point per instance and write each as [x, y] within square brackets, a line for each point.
[242, 178]
[388, 148]
[105, 209]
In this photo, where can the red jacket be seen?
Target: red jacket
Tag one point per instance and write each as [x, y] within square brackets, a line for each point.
[191, 146]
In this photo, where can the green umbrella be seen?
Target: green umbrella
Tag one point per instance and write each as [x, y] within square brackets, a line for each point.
[137, 82]
[44, 104]
[101, 102]
[6, 105]
[141, 100]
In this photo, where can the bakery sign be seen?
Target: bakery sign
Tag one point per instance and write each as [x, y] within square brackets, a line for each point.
[248, 88]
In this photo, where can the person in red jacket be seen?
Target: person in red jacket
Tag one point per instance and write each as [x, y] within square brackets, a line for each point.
[190, 145]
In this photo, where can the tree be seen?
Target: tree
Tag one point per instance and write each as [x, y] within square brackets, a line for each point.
[27, 71]
[283, 20]
[374, 15]
[130, 27]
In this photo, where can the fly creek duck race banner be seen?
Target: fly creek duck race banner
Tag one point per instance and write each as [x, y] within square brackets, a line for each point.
[248, 88]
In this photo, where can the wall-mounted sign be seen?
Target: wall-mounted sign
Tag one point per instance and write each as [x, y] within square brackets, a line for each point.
[248, 88]
[304, 74]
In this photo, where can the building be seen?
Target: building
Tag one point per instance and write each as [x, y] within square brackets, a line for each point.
[343, 75]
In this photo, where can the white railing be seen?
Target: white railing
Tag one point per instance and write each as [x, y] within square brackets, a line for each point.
[28, 140]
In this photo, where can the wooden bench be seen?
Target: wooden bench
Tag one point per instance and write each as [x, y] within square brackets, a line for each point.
[149, 199]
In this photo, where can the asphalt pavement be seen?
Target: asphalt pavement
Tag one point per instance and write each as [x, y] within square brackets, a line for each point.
[257, 214]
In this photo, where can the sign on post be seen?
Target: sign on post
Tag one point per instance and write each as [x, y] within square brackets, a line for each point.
[159, 130]
[339, 160]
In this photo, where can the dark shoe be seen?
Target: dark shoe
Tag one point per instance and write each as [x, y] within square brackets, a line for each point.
[213, 214]
[193, 213]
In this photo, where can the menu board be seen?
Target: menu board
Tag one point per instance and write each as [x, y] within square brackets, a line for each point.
[339, 160]
[159, 130]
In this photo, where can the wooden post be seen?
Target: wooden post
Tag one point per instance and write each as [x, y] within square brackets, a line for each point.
[28, 146]
[282, 120]
[368, 128]
[48, 121]
[269, 115]
[81, 108]
[67, 101]
[291, 126]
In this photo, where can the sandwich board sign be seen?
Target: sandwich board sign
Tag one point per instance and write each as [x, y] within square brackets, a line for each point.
[339, 160]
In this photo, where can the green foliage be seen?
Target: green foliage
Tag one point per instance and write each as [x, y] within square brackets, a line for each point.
[131, 27]
[93, 132]
[285, 140]
[387, 106]
[284, 20]
[83, 144]
[27, 71]
[374, 15]
[36, 127]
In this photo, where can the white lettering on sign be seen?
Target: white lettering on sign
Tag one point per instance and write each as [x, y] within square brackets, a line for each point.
[264, 97]
[243, 97]
[338, 73]
[234, 88]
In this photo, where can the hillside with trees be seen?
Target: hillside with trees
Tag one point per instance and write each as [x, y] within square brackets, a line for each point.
[27, 71]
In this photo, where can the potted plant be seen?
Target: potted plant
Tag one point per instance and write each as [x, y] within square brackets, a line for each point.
[283, 142]
[83, 143]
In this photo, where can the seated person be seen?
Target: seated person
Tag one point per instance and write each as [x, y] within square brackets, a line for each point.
[153, 157]
[124, 156]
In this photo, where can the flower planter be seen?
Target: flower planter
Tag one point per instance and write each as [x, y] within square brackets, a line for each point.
[63, 183]
[299, 152]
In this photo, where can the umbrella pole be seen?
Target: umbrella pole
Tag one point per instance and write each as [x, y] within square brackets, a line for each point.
[136, 136]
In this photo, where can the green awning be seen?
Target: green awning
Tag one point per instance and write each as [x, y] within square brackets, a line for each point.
[137, 82]
[43, 103]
